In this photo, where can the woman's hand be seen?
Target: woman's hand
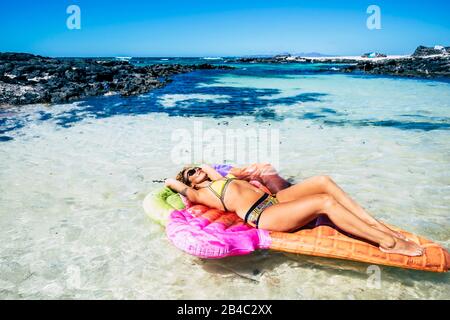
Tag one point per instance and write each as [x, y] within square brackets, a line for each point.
[211, 172]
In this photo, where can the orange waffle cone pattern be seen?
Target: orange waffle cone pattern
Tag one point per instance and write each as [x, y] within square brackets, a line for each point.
[325, 241]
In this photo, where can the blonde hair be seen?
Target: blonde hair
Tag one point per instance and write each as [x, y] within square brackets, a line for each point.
[180, 176]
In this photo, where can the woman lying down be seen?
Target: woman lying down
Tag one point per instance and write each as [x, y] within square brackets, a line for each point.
[289, 207]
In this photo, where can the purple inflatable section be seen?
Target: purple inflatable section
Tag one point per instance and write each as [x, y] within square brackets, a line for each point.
[223, 169]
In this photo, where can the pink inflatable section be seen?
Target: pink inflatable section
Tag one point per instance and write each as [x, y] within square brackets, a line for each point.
[212, 233]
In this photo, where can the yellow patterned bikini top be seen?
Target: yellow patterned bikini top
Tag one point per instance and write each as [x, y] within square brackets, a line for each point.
[219, 187]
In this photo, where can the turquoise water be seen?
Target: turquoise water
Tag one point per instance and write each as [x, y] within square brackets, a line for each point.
[72, 179]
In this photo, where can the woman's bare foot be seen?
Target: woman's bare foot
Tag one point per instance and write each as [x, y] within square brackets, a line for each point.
[405, 247]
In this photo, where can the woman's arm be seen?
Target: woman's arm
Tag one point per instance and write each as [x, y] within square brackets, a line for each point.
[265, 173]
[211, 172]
[183, 189]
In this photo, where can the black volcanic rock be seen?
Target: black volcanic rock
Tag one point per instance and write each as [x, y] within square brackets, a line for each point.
[28, 79]
[425, 62]
[423, 51]
[410, 67]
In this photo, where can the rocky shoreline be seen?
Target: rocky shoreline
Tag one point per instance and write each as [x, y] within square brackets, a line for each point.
[424, 62]
[31, 79]
[426, 67]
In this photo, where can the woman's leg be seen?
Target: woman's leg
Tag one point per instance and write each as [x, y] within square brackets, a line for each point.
[324, 184]
[288, 216]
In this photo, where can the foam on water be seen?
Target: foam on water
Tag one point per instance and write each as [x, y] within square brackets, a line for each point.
[71, 220]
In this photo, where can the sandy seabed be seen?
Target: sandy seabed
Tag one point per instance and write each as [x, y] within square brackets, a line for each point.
[72, 224]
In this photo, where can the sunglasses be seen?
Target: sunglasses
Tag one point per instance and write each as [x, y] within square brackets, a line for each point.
[190, 173]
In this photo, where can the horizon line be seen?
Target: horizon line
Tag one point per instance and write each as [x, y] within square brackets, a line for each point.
[198, 56]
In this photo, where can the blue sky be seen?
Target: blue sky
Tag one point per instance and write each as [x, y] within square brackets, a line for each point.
[220, 28]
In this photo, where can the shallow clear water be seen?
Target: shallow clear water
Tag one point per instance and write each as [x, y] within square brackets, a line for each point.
[73, 177]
